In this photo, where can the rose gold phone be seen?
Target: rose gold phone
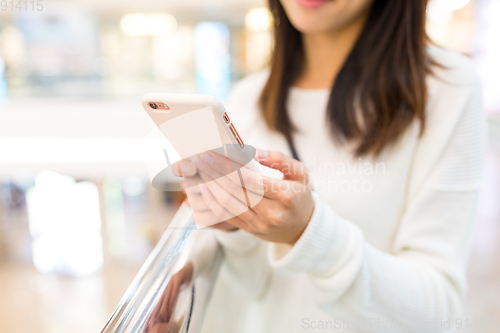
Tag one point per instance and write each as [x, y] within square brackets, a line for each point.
[195, 123]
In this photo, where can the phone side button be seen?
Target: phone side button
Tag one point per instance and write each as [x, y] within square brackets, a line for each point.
[236, 135]
[226, 118]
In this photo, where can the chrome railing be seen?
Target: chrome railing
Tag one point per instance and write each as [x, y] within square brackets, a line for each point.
[171, 291]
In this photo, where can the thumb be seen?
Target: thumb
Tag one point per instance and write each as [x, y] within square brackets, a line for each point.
[289, 167]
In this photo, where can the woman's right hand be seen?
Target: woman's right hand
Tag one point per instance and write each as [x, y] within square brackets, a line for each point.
[188, 171]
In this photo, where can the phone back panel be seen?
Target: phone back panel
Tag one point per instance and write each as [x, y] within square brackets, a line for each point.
[195, 124]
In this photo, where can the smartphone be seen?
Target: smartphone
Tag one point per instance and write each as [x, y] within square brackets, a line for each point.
[194, 124]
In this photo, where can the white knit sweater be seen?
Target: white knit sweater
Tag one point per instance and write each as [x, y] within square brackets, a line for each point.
[386, 248]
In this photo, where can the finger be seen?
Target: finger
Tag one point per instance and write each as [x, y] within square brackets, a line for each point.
[220, 166]
[253, 182]
[226, 167]
[217, 198]
[183, 168]
[259, 184]
[192, 192]
[234, 187]
[209, 219]
[191, 183]
[221, 163]
[274, 189]
[205, 218]
[215, 214]
[224, 226]
[290, 167]
[196, 202]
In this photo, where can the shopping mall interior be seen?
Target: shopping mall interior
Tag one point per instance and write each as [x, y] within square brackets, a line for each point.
[78, 214]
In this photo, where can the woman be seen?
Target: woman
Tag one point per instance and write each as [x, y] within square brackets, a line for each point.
[391, 133]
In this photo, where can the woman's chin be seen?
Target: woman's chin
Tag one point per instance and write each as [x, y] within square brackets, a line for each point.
[318, 16]
[312, 24]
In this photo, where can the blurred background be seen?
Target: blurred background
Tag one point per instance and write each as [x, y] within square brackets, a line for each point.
[78, 215]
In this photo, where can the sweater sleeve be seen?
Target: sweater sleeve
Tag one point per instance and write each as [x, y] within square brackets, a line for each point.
[422, 279]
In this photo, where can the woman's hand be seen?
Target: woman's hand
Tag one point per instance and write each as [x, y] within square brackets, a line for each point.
[187, 169]
[281, 215]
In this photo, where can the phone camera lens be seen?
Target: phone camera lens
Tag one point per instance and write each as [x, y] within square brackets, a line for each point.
[153, 106]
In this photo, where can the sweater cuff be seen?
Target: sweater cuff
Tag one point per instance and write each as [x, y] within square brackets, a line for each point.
[238, 241]
[320, 248]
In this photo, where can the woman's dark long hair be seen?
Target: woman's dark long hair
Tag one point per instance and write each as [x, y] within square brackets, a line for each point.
[381, 87]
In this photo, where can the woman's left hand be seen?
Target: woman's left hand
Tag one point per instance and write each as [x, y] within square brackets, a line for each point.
[284, 210]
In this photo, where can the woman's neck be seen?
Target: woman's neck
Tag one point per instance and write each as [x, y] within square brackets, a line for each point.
[325, 54]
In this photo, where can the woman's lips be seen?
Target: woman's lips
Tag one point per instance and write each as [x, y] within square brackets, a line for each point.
[312, 3]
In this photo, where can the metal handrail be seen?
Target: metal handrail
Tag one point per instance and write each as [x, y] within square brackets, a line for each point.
[171, 291]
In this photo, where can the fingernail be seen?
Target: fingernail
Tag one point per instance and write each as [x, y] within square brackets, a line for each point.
[208, 158]
[201, 173]
[262, 154]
